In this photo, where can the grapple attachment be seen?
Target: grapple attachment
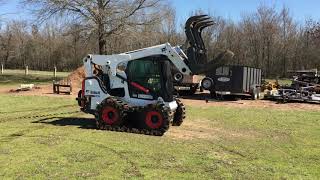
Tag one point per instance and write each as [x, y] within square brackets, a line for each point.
[196, 51]
[194, 27]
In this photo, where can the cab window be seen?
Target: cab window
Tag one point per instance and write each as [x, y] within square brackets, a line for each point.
[146, 73]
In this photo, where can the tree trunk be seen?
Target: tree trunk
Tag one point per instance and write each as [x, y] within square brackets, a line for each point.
[102, 42]
[284, 65]
[101, 30]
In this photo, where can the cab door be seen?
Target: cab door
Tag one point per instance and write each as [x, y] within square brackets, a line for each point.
[152, 73]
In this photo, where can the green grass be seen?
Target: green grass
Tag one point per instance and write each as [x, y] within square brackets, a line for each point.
[213, 143]
[12, 78]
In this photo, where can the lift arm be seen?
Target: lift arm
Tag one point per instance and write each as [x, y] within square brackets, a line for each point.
[112, 61]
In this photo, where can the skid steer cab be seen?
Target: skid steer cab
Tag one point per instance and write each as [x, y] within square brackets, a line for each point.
[133, 91]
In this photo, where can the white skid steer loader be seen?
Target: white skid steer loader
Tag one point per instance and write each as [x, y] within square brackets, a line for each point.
[133, 91]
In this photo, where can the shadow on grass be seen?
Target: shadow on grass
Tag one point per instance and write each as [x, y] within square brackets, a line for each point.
[83, 123]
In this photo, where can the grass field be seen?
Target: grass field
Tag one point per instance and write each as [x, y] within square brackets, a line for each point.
[16, 77]
[213, 143]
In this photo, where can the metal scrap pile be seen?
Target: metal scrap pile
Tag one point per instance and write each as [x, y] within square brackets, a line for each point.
[305, 87]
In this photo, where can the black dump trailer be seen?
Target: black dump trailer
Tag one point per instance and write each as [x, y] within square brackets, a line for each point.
[235, 81]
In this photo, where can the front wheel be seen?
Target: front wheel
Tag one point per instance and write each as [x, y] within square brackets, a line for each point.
[156, 117]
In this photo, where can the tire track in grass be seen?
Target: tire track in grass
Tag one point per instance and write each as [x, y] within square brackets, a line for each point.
[38, 115]
[37, 109]
[21, 133]
[135, 167]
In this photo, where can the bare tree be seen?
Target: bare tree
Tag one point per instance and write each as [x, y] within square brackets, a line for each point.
[168, 26]
[267, 38]
[287, 35]
[6, 45]
[103, 17]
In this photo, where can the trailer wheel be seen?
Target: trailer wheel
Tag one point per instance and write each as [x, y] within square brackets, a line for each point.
[207, 83]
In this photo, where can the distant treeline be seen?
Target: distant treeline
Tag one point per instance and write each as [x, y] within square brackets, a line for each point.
[269, 39]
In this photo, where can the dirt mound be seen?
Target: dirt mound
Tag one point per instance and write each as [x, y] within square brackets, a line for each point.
[76, 77]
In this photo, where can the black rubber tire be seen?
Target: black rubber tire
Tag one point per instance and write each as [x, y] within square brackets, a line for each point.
[79, 97]
[207, 79]
[163, 112]
[113, 103]
[180, 114]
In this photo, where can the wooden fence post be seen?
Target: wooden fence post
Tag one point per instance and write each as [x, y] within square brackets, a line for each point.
[26, 71]
[55, 72]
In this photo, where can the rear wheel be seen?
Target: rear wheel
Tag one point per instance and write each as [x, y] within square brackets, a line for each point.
[110, 113]
[180, 114]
